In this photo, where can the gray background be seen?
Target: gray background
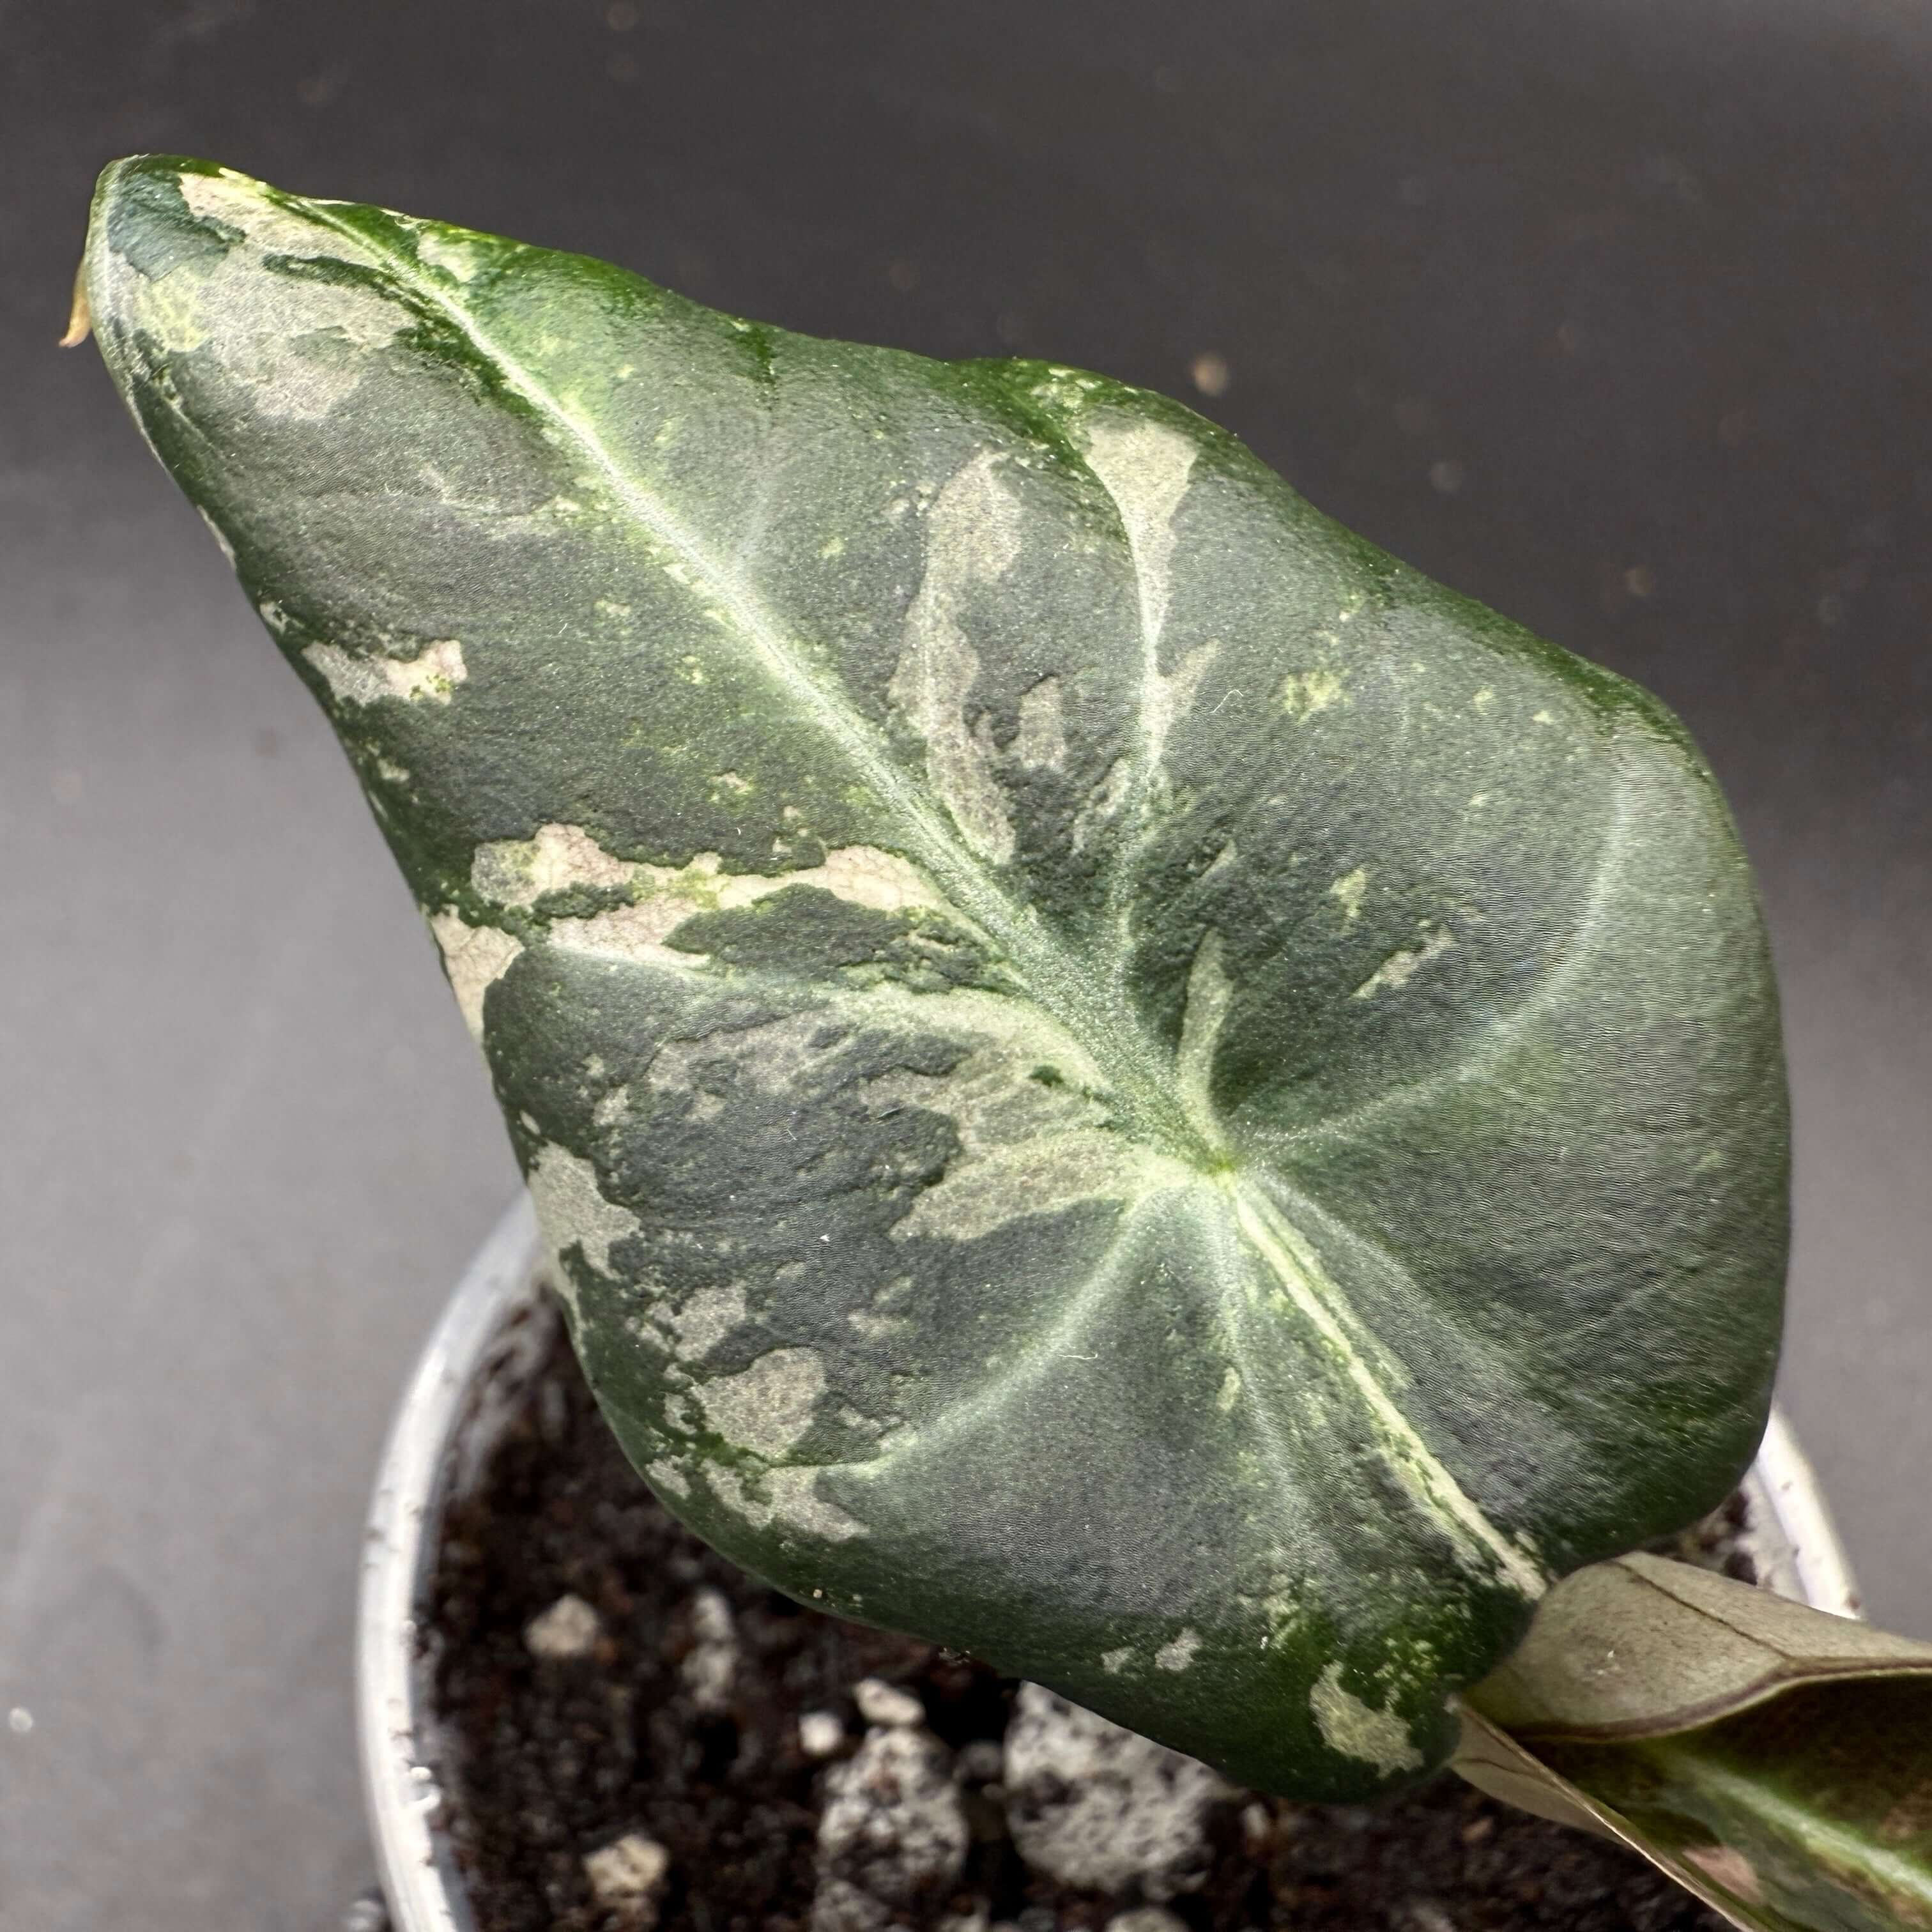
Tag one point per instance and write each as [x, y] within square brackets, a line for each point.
[1614, 315]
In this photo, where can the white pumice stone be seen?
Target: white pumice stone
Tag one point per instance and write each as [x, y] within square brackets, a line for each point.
[880, 1703]
[628, 1877]
[820, 1733]
[1146, 1918]
[569, 1629]
[893, 1827]
[1101, 1808]
[982, 1762]
[710, 1666]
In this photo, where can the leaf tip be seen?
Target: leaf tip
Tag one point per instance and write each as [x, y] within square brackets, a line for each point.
[80, 317]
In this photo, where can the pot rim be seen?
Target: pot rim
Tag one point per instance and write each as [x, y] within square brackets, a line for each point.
[395, 1719]
[485, 1326]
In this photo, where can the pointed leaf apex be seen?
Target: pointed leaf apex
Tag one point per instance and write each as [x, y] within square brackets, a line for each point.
[79, 319]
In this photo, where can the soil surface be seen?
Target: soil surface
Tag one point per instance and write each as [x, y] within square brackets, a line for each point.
[622, 1715]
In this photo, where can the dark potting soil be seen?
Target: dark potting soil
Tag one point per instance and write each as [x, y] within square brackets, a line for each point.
[670, 1718]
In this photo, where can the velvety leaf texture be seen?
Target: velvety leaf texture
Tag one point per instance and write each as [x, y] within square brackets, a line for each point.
[1117, 1078]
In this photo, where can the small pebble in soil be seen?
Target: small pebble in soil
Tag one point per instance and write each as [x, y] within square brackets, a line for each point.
[720, 1723]
[569, 1630]
[628, 1877]
[980, 1761]
[820, 1733]
[1147, 1918]
[1257, 1829]
[711, 1665]
[1103, 1808]
[880, 1703]
[893, 1828]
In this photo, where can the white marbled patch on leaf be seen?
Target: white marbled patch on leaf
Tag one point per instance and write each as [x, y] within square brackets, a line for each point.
[767, 1407]
[708, 1315]
[1304, 693]
[1041, 743]
[1357, 1730]
[518, 873]
[365, 677]
[791, 1499]
[300, 345]
[239, 203]
[1026, 1146]
[972, 536]
[633, 932]
[474, 957]
[1348, 889]
[1144, 466]
[459, 259]
[573, 1212]
[1178, 1654]
[1399, 968]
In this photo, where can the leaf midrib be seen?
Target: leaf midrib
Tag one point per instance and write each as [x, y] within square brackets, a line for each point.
[1132, 1061]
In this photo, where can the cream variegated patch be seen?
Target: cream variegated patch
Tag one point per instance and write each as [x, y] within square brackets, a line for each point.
[573, 1211]
[239, 203]
[707, 1315]
[791, 1501]
[1178, 1654]
[973, 537]
[1304, 693]
[1041, 743]
[474, 957]
[300, 345]
[1349, 890]
[460, 259]
[1358, 1730]
[516, 873]
[366, 677]
[1399, 967]
[1144, 466]
[1027, 1145]
[768, 1407]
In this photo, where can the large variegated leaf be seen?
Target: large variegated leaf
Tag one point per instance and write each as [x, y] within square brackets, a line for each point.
[1117, 1078]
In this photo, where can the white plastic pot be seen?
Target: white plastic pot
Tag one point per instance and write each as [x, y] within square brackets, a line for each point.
[491, 1338]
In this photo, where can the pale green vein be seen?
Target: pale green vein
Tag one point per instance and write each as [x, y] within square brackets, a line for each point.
[1436, 1491]
[1209, 994]
[1225, 1240]
[972, 1415]
[1129, 1058]
[1492, 1045]
[1132, 1060]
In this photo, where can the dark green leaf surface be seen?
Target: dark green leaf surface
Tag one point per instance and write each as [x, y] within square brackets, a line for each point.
[1777, 1760]
[1116, 1078]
